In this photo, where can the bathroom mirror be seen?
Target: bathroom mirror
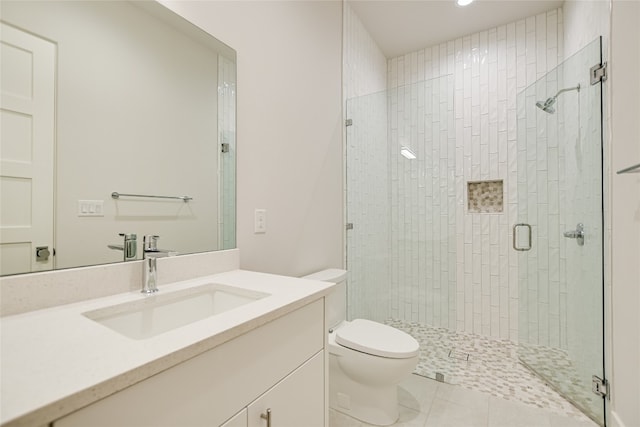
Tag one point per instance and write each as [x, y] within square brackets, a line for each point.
[111, 96]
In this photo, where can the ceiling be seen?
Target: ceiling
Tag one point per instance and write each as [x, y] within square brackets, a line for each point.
[401, 26]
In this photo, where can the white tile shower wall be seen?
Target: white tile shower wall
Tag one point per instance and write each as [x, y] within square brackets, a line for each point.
[541, 183]
[423, 200]
[365, 66]
[584, 21]
[365, 73]
[489, 69]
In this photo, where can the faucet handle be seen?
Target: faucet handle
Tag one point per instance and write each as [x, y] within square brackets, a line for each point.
[150, 242]
[130, 245]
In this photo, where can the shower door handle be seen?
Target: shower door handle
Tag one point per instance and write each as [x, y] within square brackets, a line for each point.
[515, 238]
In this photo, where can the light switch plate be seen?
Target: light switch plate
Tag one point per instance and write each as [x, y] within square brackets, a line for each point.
[90, 207]
[260, 221]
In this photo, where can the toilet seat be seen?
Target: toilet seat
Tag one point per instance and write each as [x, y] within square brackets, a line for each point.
[376, 339]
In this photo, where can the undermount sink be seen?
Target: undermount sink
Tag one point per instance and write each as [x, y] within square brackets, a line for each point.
[161, 313]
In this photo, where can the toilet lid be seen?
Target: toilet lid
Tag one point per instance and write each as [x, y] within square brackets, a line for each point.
[376, 339]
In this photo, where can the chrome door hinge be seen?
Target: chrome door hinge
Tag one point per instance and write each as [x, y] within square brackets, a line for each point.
[599, 386]
[598, 73]
[348, 122]
[225, 147]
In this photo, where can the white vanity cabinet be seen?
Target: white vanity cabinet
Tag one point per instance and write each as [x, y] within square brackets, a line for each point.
[238, 420]
[296, 401]
[280, 365]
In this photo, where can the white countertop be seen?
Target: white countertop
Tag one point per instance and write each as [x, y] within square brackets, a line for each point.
[55, 361]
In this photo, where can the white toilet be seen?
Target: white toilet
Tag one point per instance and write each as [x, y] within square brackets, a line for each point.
[367, 359]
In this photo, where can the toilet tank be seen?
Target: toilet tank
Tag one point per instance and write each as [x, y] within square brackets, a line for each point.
[336, 300]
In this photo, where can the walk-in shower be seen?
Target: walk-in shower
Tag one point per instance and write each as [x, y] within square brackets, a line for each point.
[547, 106]
[422, 259]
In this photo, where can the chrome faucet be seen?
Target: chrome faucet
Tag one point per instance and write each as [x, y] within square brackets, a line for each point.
[128, 247]
[150, 270]
[150, 253]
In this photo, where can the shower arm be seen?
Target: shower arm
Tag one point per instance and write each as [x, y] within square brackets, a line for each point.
[567, 90]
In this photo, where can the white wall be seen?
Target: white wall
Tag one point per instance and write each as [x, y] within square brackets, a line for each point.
[625, 218]
[289, 127]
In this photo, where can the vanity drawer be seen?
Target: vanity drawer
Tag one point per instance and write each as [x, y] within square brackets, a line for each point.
[212, 387]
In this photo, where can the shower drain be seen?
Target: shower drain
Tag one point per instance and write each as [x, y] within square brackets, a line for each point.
[453, 354]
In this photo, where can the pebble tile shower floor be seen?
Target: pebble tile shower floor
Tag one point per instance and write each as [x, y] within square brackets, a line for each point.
[482, 364]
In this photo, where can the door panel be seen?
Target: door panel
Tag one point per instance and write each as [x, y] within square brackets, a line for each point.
[27, 138]
[560, 197]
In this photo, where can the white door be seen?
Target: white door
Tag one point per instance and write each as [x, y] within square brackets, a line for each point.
[27, 90]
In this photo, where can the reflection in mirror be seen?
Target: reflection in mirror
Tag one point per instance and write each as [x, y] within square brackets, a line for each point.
[101, 97]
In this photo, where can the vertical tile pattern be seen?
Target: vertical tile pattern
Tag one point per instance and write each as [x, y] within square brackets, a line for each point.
[488, 70]
[365, 66]
[423, 197]
[455, 105]
[366, 194]
[485, 197]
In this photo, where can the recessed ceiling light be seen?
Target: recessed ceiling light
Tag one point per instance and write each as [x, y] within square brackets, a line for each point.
[463, 2]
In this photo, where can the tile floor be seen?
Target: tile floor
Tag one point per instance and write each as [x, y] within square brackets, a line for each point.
[555, 364]
[492, 366]
[428, 403]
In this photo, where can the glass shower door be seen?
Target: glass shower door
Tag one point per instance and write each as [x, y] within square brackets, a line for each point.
[559, 231]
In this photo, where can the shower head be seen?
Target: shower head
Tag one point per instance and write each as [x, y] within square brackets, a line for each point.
[547, 106]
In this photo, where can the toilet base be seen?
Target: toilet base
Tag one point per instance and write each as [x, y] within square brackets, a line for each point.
[373, 405]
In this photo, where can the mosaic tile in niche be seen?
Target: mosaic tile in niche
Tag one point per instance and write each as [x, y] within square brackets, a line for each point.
[485, 196]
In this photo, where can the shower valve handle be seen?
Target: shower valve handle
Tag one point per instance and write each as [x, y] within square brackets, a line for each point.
[577, 234]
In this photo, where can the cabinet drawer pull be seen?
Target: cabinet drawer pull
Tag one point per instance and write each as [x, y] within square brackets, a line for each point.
[267, 417]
